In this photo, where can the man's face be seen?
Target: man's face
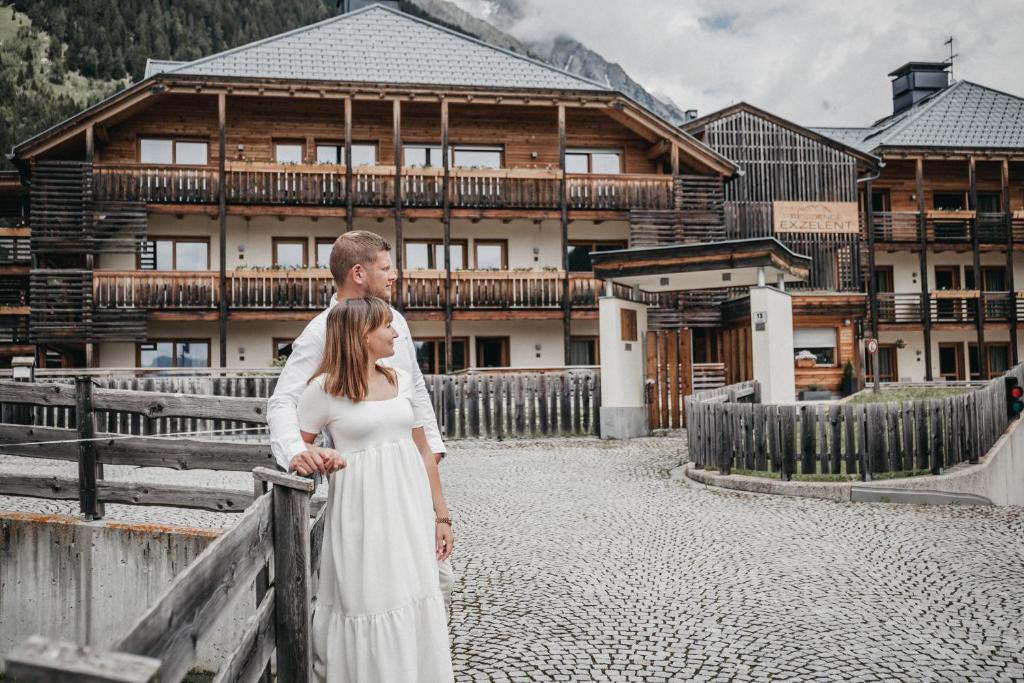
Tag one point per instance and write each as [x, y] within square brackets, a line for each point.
[378, 276]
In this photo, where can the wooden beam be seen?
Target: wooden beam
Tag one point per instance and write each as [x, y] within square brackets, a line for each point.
[399, 237]
[447, 237]
[222, 218]
[563, 200]
[658, 149]
[292, 603]
[972, 173]
[39, 660]
[349, 198]
[675, 160]
[1008, 222]
[922, 226]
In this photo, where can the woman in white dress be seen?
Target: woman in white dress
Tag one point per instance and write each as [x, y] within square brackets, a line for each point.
[379, 615]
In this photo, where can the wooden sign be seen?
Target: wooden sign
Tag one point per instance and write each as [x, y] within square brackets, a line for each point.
[830, 218]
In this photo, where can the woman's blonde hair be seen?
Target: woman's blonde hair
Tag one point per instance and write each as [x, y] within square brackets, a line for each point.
[345, 352]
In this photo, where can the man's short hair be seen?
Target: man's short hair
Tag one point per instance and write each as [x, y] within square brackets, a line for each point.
[356, 248]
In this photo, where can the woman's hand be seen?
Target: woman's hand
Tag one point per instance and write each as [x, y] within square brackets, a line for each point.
[445, 541]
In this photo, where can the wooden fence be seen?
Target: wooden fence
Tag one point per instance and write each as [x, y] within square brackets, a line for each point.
[845, 439]
[472, 404]
[162, 644]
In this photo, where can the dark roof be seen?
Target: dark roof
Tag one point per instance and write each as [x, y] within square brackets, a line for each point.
[378, 44]
[697, 125]
[963, 116]
[919, 66]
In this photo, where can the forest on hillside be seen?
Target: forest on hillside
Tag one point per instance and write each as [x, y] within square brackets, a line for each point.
[57, 58]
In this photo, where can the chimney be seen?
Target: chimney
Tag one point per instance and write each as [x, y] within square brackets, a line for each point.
[915, 81]
[689, 115]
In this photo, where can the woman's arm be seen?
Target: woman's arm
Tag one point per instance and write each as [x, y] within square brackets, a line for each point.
[444, 537]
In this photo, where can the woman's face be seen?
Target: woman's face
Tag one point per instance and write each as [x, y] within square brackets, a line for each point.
[381, 341]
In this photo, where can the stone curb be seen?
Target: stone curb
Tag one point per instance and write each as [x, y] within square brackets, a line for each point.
[840, 492]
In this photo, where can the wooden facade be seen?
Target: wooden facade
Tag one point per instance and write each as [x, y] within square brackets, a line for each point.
[102, 192]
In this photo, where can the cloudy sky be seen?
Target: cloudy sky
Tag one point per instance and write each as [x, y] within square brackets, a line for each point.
[818, 62]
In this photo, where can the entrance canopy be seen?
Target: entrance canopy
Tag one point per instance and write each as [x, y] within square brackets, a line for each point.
[712, 265]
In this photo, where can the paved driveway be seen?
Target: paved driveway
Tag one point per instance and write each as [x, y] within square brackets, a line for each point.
[581, 560]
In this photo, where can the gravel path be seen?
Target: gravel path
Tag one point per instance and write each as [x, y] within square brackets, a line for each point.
[582, 560]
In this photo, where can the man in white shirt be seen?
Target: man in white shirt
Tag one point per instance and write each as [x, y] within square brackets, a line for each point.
[361, 265]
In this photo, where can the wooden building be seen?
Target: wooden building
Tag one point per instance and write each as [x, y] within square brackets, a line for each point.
[800, 186]
[187, 220]
[946, 220]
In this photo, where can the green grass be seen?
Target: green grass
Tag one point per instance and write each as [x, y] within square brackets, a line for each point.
[910, 394]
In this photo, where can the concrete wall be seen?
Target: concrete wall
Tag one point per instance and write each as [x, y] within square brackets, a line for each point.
[87, 582]
[623, 414]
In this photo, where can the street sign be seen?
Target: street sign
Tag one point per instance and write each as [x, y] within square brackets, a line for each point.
[872, 346]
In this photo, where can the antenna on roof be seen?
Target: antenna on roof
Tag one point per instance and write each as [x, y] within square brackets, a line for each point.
[951, 56]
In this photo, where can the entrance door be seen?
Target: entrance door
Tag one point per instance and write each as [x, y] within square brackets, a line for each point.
[947, 278]
[951, 361]
[886, 356]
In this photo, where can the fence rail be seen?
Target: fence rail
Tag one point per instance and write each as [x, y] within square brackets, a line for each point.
[161, 644]
[845, 439]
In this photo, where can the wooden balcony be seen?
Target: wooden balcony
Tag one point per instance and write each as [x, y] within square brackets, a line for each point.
[948, 227]
[947, 307]
[311, 290]
[374, 187]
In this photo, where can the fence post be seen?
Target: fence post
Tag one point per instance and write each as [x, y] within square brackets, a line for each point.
[89, 471]
[261, 584]
[292, 580]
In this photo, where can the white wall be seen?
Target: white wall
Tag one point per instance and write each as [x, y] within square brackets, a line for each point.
[772, 347]
[622, 361]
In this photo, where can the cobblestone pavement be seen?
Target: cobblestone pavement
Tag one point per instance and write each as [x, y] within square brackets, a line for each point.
[581, 560]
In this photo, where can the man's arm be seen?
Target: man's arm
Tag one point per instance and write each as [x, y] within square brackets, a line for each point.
[282, 408]
[422, 406]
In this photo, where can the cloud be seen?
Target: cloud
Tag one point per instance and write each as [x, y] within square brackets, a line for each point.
[818, 62]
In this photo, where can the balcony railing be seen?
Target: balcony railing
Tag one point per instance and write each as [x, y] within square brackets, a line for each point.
[374, 186]
[311, 290]
[947, 227]
[948, 306]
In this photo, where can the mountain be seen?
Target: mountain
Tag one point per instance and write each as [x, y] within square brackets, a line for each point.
[57, 57]
[563, 51]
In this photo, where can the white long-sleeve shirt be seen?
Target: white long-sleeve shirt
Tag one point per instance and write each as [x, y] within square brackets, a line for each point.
[307, 352]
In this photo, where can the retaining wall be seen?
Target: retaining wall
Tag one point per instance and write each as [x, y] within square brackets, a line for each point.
[87, 582]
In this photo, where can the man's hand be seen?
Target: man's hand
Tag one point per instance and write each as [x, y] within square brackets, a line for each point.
[317, 459]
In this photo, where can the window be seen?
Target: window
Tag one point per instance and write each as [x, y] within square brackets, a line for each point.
[950, 201]
[282, 348]
[290, 252]
[604, 161]
[429, 255]
[476, 157]
[951, 361]
[821, 341]
[288, 152]
[170, 151]
[990, 202]
[423, 156]
[430, 355]
[324, 245]
[363, 154]
[462, 156]
[491, 254]
[998, 359]
[492, 352]
[175, 253]
[880, 200]
[579, 253]
[886, 356]
[993, 278]
[174, 354]
[584, 351]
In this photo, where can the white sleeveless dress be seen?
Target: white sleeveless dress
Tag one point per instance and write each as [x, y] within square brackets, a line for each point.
[379, 615]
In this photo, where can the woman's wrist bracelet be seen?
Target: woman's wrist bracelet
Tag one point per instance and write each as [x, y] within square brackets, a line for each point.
[444, 520]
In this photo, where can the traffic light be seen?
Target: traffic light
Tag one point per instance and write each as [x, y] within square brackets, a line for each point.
[1014, 398]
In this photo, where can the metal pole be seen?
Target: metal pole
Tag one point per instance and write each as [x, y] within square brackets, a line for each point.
[869, 213]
